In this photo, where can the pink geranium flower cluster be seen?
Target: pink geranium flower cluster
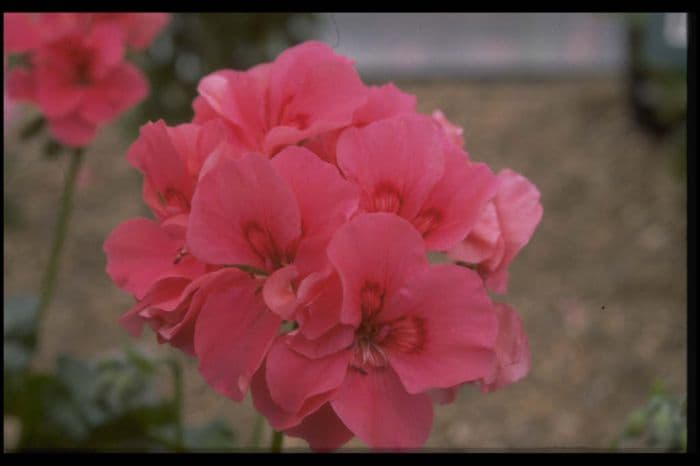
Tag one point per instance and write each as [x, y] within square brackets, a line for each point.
[74, 66]
[293, 217]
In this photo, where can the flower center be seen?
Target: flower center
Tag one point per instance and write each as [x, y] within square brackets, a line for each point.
[373, 337]
[264, 246]
[386, 198]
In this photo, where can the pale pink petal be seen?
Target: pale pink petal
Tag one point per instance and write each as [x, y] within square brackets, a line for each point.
[376, 407]
[233, 332]
[443, 329]
[242, 213]
[379, 248]
[451, 131]
[323, 430]
[293, 378]
[512, 351]
[395, 162]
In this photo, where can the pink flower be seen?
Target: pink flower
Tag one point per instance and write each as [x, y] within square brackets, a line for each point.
[402, 166]
[505, 226]
[412, 328]
[273, 216]
[80, 82]
[306, 91]
[452, 132]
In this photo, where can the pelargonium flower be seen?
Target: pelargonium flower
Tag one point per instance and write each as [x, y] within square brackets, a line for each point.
[505, 226]
[80, 82]
[403, 166]
[75, 70]
[413, 327]
[306, 91]
[293, 217]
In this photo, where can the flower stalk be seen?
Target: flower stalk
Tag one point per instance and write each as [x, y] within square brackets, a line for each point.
[59, 235]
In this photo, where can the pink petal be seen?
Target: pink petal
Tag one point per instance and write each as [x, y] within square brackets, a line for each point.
[323, 430]
[158, 154]
[233, 332]
[519, 210]
[122, 88]
[278, 292]
[395, 162]
[326, 200]
[455, 203]
[72, 130]
[482, 243]
[512, 351]
[21, 84]
[338, 338]
[384, 102]
[293, 378]
[56, 96]
[140, 252]
[322, 305]
[379, 248]
[20, 32]
[238, 97]
[443, 331]
[376, 407]
[303, 80]
[107, 42]
[144, 27]
[242, 213]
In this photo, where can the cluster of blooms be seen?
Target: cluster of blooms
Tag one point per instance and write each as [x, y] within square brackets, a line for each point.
[294, 215]
[74, 67]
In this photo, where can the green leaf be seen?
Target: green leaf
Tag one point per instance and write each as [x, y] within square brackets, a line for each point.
[215, 435]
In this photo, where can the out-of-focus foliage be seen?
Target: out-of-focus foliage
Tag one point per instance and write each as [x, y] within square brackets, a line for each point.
[113, 403]
[195, 44]
[660, 425]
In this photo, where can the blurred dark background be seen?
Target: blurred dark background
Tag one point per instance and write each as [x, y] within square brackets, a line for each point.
[590, 107]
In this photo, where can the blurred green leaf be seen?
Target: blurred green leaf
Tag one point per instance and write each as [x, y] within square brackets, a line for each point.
[215, 435]
[19, 332]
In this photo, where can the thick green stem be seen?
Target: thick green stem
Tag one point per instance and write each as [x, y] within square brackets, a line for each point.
[277, 438]
[59, 235]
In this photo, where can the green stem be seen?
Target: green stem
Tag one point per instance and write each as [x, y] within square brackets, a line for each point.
[179, 427]
[277, 438]
[59, 235]
[257, 432]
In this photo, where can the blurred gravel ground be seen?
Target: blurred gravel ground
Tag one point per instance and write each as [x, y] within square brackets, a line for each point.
[601, 287]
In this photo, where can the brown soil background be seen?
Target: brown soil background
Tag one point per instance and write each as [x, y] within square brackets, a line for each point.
[601, 287]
